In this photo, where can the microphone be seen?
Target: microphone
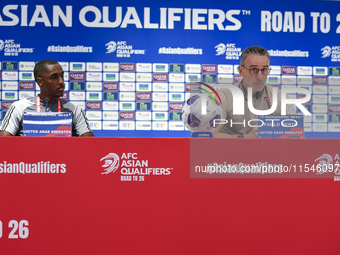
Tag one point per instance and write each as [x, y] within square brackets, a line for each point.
[46, 100]
[267, 100]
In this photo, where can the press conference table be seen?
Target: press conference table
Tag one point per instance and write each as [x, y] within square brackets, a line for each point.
[140, 196]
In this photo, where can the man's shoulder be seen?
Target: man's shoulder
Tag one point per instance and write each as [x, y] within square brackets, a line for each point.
[227, 90]
[69, 105]
[24, 102]
[227, 95]
[66, 103]
[270, 89]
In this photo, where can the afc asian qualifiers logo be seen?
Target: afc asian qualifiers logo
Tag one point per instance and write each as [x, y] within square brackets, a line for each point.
[2, 44]
[229, 50]
[331, 51]
[122, 49]
[111, 47]
[329, 164]
[326, 51]
[220, 49]
[131, 168]
[111, 163]
[325, 159]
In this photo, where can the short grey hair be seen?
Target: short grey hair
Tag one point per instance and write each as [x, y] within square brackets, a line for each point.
[257, 50]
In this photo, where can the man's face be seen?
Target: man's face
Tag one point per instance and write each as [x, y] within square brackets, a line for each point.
[256, 81]
[51, 82]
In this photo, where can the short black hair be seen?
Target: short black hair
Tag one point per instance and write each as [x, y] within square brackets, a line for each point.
[257, 50]
[40, 66]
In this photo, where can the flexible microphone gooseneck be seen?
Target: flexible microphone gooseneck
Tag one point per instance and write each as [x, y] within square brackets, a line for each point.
[46, 100]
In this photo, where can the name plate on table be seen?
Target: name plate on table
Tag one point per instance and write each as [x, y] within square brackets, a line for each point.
[47, 124]
[280, 126]
[202, 134]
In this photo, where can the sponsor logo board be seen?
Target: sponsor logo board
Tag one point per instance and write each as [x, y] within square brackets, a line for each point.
[143, 125]
[127, 106]
[110, 115]
[110, 125]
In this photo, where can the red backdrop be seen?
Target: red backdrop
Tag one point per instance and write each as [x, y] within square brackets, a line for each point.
[83, 211]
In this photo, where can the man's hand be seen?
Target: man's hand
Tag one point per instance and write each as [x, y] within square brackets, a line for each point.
[5, 133]
[87, 134]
